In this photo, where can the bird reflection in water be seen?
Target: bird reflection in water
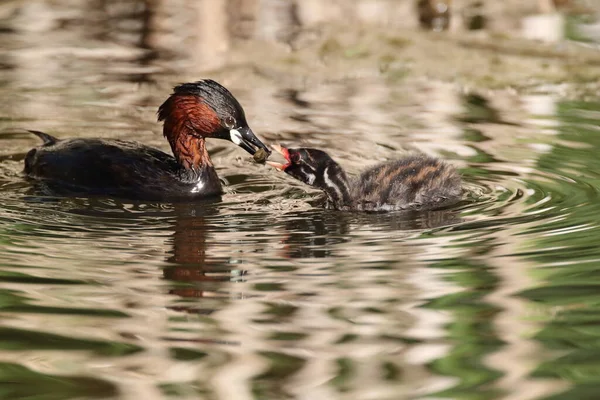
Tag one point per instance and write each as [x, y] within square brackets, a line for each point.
[313, 234]
[202, 274]
[317, 233]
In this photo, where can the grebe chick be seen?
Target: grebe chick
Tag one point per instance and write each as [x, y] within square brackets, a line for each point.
[416, 182]
[131, 170]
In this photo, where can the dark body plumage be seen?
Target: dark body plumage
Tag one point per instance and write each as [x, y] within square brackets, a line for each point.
[413, 183]
[131, 170]
[116, 168]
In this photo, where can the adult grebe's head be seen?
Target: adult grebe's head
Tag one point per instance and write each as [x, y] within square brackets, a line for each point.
[205, 109]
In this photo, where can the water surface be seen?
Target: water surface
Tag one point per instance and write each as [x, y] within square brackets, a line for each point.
[263, 294]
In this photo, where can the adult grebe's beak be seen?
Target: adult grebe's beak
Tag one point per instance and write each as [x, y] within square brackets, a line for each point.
[285, 153]
[247, 140]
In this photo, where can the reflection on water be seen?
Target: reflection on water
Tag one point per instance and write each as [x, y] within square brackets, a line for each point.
[264, 294]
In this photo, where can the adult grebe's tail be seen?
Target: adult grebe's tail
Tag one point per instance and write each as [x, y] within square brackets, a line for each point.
[47, 139]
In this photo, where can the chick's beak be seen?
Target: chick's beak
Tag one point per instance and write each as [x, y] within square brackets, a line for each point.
[247, 140]
[285, 153]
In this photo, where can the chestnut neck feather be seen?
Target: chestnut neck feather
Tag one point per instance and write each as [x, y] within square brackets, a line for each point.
[190, 152]
[186, 122]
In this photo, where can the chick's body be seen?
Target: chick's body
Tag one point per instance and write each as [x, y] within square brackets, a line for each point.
[415, 182]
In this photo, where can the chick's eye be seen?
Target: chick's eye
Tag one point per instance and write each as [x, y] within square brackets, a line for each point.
[229, 122]
[294, 157]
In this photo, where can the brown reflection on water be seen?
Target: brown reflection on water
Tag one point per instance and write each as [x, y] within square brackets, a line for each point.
[189, 261]
[265, 292]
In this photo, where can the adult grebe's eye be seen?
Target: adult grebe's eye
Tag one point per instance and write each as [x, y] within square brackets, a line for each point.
[229, 122]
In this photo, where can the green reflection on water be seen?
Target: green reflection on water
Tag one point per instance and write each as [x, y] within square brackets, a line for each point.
[471, 329]
[16, 382]
[345, 373]
[183, 354]
[21, 339]
[567, 248]
[281, 366]
[11, 301]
